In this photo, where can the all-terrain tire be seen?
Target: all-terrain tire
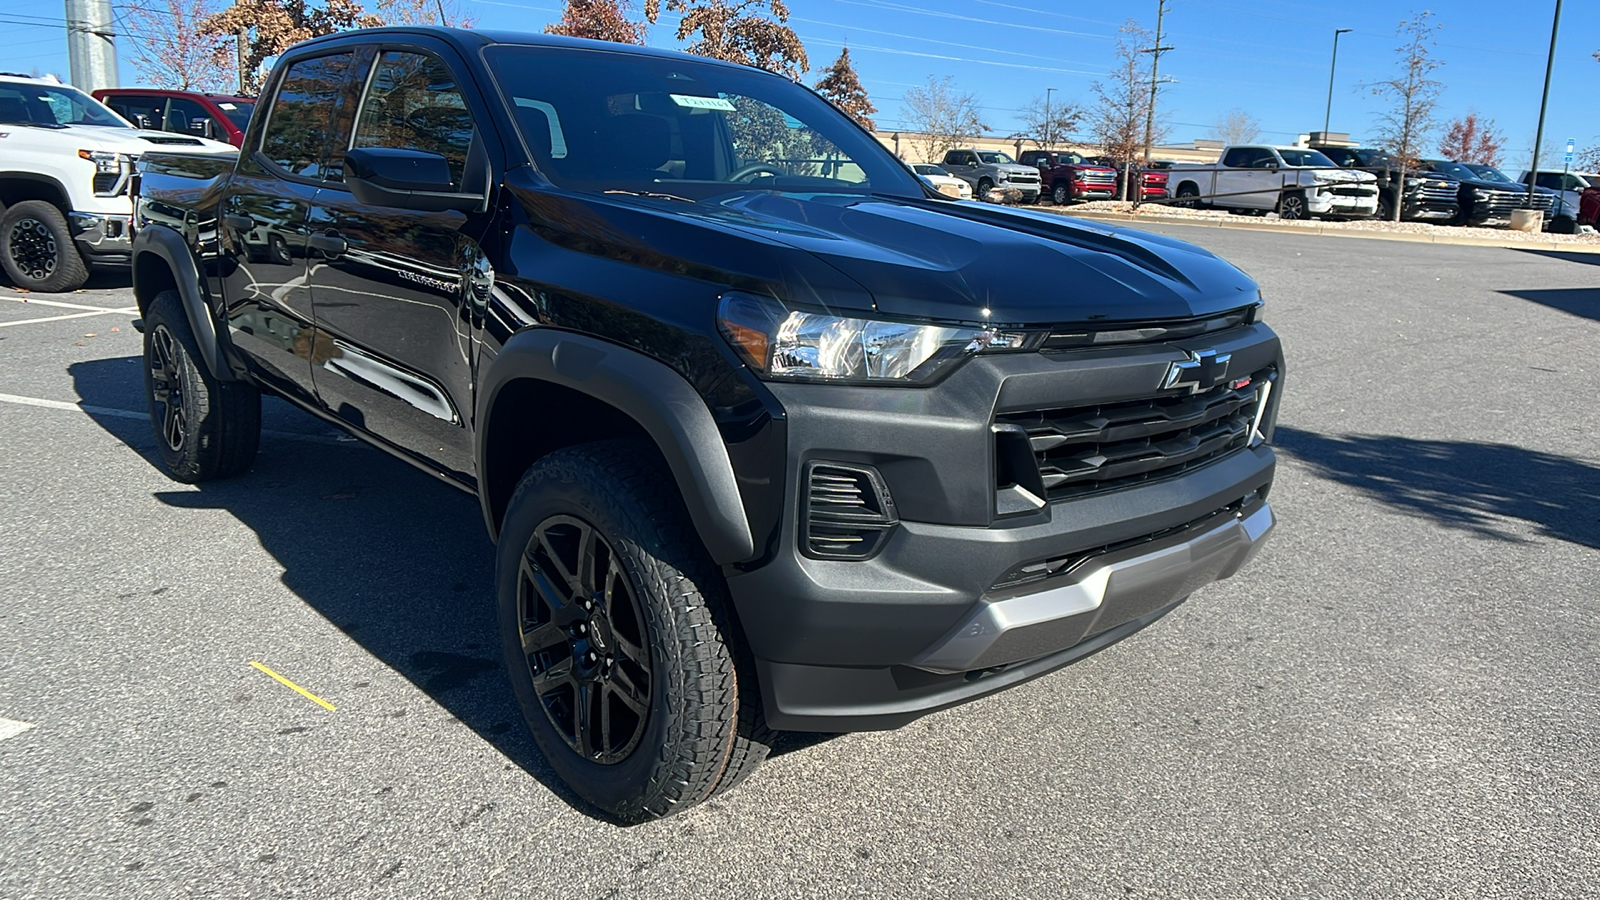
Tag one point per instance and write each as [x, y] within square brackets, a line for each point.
[702, 707]
[205, 428]
[37, 250]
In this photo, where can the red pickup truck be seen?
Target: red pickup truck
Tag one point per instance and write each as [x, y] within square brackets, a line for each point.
[1065, 176]
[220, 117]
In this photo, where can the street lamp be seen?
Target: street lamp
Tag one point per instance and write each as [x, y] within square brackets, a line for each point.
[1327, 116]
[1049, 141]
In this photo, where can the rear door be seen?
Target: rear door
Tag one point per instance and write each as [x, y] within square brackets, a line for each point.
[395, 299]
[143, 110]
[1249, 179]
[265, 241]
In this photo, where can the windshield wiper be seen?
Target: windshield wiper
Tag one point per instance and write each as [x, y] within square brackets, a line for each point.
[51, 125]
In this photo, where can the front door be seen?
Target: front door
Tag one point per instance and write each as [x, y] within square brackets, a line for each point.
[265, 241]
[394, 297]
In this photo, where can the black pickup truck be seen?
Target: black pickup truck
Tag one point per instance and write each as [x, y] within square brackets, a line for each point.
[770, 434]
[1425, 194]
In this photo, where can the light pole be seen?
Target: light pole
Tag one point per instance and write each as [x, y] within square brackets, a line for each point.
[1049, 141]
[1544, 100]
[1327, 116]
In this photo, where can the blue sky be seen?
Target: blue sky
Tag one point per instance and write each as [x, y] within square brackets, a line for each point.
[1267, 57]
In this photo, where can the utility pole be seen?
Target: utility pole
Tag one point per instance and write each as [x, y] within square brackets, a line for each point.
[240, 40]
[1544, 101]
[1155, 64]
[91, 45]
[1049, 126]
[1327, 115]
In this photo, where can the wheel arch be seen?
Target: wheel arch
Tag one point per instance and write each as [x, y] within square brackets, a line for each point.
[548, 389]
[15, 187]
[162, 261]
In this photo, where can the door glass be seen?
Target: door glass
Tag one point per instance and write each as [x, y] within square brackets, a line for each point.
[188, 117]
[415, 104]
[131, 108]
[302, 115]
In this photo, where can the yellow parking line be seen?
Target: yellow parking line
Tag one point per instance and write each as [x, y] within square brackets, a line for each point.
[295, 687]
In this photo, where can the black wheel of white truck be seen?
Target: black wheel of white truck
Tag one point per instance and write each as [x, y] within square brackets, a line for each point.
[617, 635]
[205, 428]
[1292, 206]
[36, 249]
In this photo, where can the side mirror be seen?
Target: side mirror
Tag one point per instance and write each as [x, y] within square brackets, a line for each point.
[408, 179]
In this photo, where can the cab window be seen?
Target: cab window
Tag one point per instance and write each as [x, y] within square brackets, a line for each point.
[301, 122]
[185, 116]
[135, 106]
[414, 103]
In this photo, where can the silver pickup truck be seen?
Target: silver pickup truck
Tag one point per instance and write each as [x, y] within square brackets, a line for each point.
[1294, 182]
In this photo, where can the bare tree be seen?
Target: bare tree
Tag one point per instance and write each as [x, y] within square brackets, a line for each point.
[1122, 101]
[169, 50]
[1470, 140]
[1047, 124]
[599, 20]
[1413, 94]
[840, 84]
[943, 116]
[738, 31]
[1236, 127]
[1588, 160]
[423, 12]
[270, 27]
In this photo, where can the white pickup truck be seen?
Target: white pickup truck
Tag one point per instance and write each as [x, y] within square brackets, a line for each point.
[65, 163]
[1294, 182]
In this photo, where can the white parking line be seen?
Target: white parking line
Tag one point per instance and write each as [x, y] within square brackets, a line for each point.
[35, 301]
[82, 315]
[338, 440]
[10, 728]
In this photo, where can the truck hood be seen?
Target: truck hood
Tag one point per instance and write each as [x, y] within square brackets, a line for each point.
[934, 259]
[117, 140]
[1014, 169]
[1337, 176]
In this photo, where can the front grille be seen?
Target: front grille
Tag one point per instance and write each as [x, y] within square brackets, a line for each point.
[1501, 203]
[1087, 449]
[1106, 178]
[1354, 190]
[848, 512]
[1023, 179]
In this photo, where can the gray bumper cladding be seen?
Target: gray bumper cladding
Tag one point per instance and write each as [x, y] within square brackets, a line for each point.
[1102, 594]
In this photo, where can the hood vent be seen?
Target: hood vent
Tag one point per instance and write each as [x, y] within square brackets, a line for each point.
[174, 141]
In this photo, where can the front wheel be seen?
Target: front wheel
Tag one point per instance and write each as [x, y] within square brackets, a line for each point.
[1059, 195]
[36, 249]
[618, 635]
[1292, 207]
[1385, 208]
[205, 428]
[985, 188]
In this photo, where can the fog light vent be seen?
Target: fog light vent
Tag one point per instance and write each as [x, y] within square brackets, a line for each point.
[848, 511]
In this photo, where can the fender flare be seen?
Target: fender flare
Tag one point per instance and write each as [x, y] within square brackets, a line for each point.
[657, 397]
[171, 248]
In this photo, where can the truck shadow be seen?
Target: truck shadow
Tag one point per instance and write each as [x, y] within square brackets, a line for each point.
[1583, 302]
[398, 561]
[1473, 487]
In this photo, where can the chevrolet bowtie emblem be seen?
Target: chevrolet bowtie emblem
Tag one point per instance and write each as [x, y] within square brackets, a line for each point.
[1202, 371]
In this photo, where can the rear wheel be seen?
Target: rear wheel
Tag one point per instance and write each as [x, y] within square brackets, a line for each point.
[1188, 196]
[36, 249]
[205, 428]
[618, 637]
[1060, 195]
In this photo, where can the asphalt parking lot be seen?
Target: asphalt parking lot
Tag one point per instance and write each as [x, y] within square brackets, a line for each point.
[1397, 700]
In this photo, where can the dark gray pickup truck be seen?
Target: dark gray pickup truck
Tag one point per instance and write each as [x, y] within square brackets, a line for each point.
[771, 435]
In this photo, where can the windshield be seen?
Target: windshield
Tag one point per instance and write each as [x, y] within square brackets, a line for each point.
[929, 169]
[1293, 157]
[994, 156]
[1377, 159]
[1453, 169]
[237, 111]
[51, 106]
[600, 120]
[1489, 173]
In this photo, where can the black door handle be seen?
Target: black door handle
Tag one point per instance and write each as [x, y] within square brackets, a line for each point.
[328, 244]
[243, 223]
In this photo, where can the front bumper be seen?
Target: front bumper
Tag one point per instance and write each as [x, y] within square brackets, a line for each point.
[1324, 202]
[104, 240]
[934, 618]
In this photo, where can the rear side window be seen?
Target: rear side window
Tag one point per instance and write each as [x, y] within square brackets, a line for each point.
[185, 116]
[414, 103]
[301, 120]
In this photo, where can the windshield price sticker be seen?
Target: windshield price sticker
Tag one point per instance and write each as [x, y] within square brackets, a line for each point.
[692, 102]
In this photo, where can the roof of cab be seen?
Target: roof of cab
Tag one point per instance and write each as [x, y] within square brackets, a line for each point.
[472, 39]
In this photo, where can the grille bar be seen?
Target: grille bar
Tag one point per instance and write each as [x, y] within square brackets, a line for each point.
[1087, 449]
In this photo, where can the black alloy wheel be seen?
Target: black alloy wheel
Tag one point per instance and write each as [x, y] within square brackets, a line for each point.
[167, 397]
[584, 640]
[32, 248]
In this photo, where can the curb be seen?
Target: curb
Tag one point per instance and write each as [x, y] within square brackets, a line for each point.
[1320, 229]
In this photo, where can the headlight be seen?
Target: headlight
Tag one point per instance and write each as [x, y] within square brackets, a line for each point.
[801, 345]
[105, 162]
[1414, 182]
[1004, 176]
